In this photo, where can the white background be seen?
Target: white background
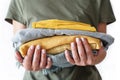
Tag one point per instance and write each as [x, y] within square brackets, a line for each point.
[109, 68]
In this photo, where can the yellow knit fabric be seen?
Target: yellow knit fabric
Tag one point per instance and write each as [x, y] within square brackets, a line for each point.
[63, 24]
[57, 44]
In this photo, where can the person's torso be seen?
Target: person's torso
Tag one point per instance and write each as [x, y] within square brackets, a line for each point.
[76, 10]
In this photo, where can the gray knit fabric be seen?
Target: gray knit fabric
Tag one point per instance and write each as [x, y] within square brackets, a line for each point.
[59, 60]
[26, 35]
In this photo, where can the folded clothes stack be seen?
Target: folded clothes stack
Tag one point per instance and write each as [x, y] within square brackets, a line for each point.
[56, 35]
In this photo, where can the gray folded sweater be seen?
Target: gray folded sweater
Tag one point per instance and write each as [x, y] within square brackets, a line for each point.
[59, 60]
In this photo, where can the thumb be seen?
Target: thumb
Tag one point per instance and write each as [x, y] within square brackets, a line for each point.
[18, 57]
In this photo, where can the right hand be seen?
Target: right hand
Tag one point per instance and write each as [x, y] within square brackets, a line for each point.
[36, 59]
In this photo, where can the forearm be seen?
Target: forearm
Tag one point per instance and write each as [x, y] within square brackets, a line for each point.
[102, 27]
[17, 26]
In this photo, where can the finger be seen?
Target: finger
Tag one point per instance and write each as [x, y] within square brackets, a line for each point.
[43, 60]
[30, 53]
[88, 51]
[49, 63]
[81, 51]
[68, 57]
[36, 58]
[75, 53]
[27, 62]
[18, 57]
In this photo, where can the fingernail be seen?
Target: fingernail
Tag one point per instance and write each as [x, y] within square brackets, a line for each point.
[72, 44]
[32, 47]
[38, 46]
[66, 51]
[82, 38]
[77, 39]
[49, 59]
[43, 51]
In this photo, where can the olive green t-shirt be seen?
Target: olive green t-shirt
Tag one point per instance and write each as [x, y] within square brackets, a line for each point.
[87, 11]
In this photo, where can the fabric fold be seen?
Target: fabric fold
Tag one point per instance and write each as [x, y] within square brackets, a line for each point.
[26, 35]
[44, 30]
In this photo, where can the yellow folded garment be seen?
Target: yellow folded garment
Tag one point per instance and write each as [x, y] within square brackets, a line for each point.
[63, 24]
[57, 44]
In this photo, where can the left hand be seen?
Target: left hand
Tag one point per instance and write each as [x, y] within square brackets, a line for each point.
[82, 54]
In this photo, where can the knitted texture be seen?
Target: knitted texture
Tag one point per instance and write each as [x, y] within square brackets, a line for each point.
[59, 60]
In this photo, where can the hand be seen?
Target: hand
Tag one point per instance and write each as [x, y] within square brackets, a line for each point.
[35, 59]
[82, 54]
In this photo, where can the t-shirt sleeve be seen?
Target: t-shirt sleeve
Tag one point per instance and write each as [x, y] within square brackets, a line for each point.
[106, 12]
[15, 12]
